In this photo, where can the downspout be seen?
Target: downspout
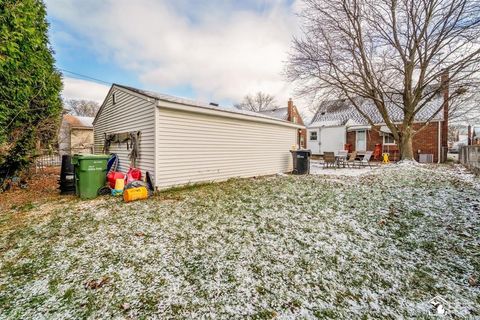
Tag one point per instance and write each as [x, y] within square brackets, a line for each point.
[439, 141]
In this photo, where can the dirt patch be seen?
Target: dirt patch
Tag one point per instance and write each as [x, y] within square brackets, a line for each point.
[41, 187]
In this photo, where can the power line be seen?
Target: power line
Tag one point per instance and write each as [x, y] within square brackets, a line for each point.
[85, 76]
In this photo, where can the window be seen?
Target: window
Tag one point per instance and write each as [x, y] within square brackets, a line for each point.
[361, 140]
[114, 98]
[313, 135]
[388, 139]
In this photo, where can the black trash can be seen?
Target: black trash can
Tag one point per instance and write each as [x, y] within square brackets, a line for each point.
[301, 161]
[67, 179]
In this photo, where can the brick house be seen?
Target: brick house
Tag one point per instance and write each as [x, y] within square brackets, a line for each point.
[291, 114]
[337, 124]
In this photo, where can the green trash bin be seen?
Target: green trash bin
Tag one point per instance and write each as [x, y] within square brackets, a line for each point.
[90, 174]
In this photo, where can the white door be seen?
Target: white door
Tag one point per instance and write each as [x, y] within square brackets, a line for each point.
[313, 141]
[361, 144]
[332, 139]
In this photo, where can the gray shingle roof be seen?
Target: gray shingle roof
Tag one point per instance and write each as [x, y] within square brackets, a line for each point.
[169, 98]
[338, 112]
[279, 113]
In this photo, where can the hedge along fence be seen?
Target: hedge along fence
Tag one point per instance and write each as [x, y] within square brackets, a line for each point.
[469, 156]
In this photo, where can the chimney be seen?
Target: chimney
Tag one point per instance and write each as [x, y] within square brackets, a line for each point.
[445, 83]
[290, 110]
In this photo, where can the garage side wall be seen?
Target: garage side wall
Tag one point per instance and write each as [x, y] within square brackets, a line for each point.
[130, 112]
[194, 147]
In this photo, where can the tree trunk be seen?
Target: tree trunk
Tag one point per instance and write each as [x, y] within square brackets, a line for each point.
[406, 146]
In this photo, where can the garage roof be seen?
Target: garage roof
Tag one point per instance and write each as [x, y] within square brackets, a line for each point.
[193, 103]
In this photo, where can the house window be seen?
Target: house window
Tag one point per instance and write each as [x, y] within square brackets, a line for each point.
[114, 98]
[294, 119]
[313, 135]
[361, 144]
[388, 139]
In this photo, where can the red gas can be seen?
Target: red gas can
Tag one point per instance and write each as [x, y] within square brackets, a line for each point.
[113, 176]
[377, 151]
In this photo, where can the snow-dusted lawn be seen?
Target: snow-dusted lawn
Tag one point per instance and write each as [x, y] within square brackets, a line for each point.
[317, 167]
[379, 245]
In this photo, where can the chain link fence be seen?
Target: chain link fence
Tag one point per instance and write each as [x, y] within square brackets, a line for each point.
[469, 156]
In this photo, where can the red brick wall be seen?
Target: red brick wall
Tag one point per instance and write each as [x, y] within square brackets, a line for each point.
[293, 114]
[425, 141]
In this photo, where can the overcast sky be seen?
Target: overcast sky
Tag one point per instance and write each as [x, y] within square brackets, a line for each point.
[206, 50]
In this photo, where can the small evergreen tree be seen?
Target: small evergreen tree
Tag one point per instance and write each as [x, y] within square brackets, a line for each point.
[30, 84]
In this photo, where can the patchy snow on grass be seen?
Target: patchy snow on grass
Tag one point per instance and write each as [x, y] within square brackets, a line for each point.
[393, 242]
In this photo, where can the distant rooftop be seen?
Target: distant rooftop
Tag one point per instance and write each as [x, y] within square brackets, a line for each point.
[338, 112]
[79, 122]
[279, 113]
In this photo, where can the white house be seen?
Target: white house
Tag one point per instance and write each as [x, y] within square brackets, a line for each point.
[179, 141]
[339, 122]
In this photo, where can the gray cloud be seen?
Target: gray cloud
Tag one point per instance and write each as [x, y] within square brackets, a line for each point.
[219, 52]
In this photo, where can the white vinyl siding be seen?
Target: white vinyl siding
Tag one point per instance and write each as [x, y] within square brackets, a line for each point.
[131, 112]
[194, 147]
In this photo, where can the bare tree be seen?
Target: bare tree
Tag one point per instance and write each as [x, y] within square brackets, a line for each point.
[84, 108]
[390, 53]
[259, 102]
[465, 109]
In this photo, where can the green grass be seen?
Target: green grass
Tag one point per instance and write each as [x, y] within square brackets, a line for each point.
[378, 246]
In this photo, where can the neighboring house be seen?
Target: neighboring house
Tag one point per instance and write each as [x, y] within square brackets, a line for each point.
[75, 135]
[476, 135]
[291, 114]
[338, 123]
[182, 141]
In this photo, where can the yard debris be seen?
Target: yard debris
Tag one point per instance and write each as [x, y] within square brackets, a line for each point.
[41, 187]
[438, 303]
[97, 283]
[473, 281]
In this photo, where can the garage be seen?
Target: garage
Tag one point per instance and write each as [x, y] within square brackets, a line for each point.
[325, 137]
[180, 141]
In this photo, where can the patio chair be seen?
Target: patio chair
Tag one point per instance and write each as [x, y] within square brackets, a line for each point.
[342, 156]
[329, 159]
[351, 159]
[366, 159]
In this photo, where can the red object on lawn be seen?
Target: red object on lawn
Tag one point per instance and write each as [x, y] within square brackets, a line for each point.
[113, 176]
[377, 151]
[133, 174]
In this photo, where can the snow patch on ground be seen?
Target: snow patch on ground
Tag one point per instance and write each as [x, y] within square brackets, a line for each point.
[381, 244]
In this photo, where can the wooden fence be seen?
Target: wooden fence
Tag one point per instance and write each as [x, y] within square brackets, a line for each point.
[469, 156]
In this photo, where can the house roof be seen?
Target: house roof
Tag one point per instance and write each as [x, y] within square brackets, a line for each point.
[78, 122]
[279, 113]
[339, 112]
[188, 102]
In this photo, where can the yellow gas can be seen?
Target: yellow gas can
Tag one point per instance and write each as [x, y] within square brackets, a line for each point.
[135, 194]
[119, 184]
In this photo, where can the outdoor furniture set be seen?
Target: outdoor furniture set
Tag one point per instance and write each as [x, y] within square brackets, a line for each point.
[345, 159]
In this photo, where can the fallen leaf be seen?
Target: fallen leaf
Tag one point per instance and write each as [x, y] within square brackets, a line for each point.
[473, 281]
[96, 283]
